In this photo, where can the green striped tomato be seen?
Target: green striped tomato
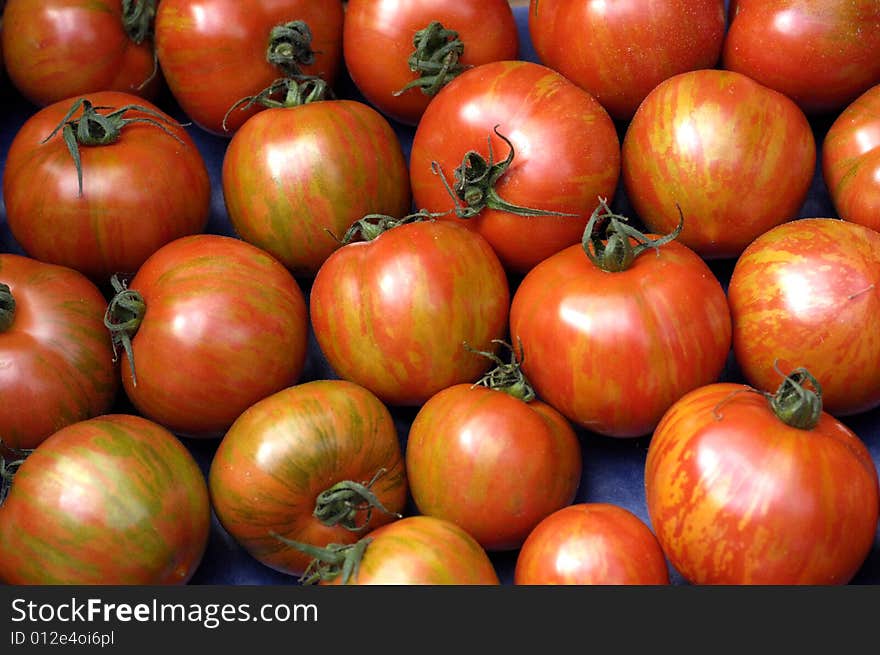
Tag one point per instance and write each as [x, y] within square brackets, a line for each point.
[115, 499]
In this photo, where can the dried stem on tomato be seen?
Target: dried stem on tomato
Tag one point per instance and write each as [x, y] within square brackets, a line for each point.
[435, 59]
[331, 561]
[123, 318]
[506, 376]
[341, 504]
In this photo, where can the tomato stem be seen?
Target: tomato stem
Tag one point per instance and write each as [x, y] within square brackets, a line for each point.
[795, 404]
[506, 376]
[138, 19]
[285, 92]
[373, 225]
[8, 468]
[331, 561]
[435, 59]
[7, 307]
[290, 47]
[341, 503]
[123, 318]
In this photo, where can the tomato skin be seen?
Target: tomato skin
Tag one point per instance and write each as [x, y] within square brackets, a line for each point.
[378, 40]
[737, 157]
[213, 52]
[806, 294]
[591, 544]
[286, 449]
[225, 326]
[736, 496]
[295, 179]
[57, 49]
[392, 314]
[820, 53]
[138, 194]
[567, 155]
[592, 44]
[115, 499]
[462, 447]
[56, 360]
[612, 351]
[851, 160]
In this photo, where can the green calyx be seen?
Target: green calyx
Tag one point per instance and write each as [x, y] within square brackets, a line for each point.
[290, 47]
[138, 17]
[331, 561]
[794, 403]
[285, 92]
[435, 59]
[616, 252]
[373, 225]
[507, 377]
[95, 129]
[9, 467]
[7, 307]
[341, 504]
[123, 318]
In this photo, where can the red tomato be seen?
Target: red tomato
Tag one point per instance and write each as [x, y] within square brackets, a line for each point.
[612, 350]
[820, 53]
[57, 49]
[736, 156]
[619, 51]
[564, 148]
[215, 53]
[737, 496]
[113, 500]
[295, 448]
[382, 58]
[215, 325]
[591, 544]
[851, 160]
[392, 313]
[56, 360]
[147, 188]
[296, 178]
[807, 293]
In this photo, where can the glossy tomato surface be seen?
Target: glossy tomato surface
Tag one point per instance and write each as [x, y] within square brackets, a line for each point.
[115, 499]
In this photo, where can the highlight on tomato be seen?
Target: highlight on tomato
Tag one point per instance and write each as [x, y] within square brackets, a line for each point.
[748, 487]
[319, 463]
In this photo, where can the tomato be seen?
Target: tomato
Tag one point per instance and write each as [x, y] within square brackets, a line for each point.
[296, 178]
[612, 342]
[619, 51]
[737, 495]
[115, 500]
[399, 73]
[56, 360]
[851, 160]
[285, 463]
[391, 313]
[466, 441]
[807, 293]
[57, 49]
[216, 52]
[736, 156]
[591, 543]
[213, 325]
[564, 148]
[125, 200]
[820, 53]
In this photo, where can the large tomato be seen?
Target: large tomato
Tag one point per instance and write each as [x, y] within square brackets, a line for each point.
[56, 360]
[851, 160]
[737, 495]
[820, 53]
[807, 293]
[215, 53]
[591, 543]
[399, 54]
[619, 51]
[208, 326]
[391, 313]
[126, 199]
[57, 49]
[296, 178]
[564, 148]
[318, 462]
[736, 156]
[115, 500]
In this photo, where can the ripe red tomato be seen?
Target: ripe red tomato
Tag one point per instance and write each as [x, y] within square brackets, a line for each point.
[392, 313]
[215, 53]
[56, 360]
[113, 500]
[564, 147]
[591, 544]
[736, 156]
[820, 53]
[807, 293]
[737, 496]
[619, 51]
[215, 324]
[147, 188]
[380, 51]
[296, 178]
[57, 49]
[851, 160]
